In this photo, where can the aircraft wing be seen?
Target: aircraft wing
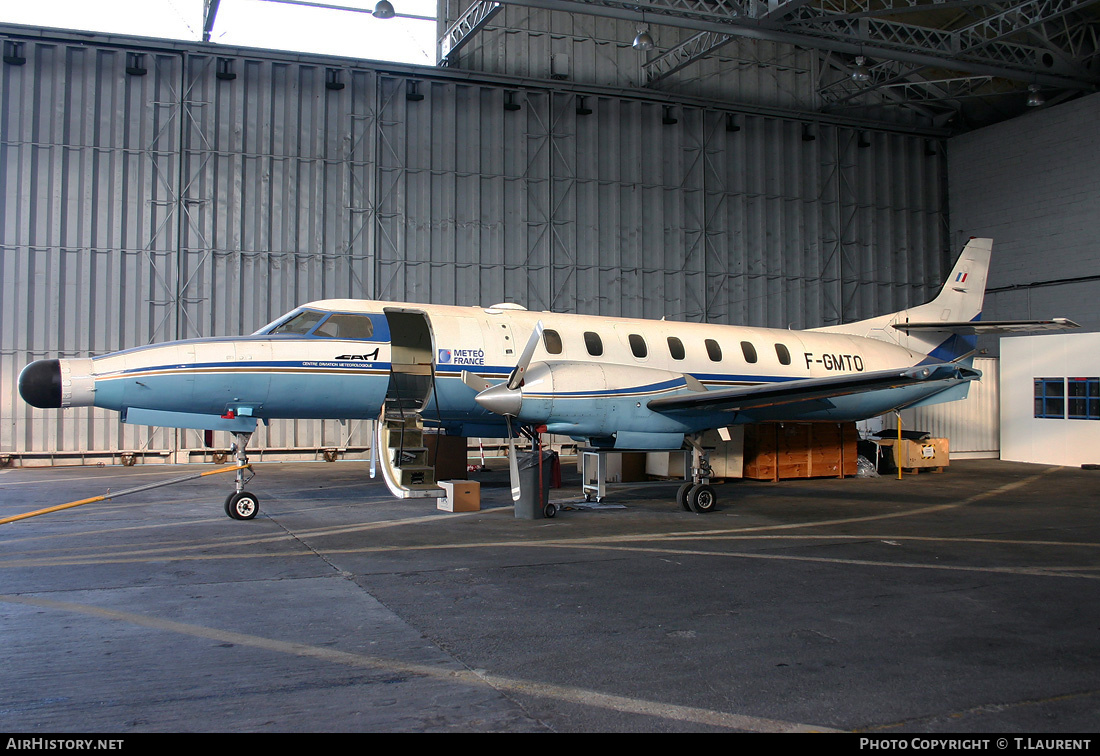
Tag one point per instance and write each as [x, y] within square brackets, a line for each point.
[747, 398]
[991, 326]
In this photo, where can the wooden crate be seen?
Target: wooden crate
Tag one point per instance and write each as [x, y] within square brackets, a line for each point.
[931, 454]
[776, 451]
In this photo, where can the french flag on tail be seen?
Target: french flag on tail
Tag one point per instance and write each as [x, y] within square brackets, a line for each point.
[961, 277]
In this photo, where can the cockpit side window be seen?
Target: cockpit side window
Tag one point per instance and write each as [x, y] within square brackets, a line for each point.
[345, 326]
[300, 324]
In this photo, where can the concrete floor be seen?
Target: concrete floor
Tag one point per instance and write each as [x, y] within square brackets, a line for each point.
[961, 602]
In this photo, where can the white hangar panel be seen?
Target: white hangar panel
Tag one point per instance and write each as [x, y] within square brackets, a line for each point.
[971, 425]
[224, 187]
[1050, 399]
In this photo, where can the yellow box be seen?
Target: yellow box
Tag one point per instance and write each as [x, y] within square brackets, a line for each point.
[460, 496]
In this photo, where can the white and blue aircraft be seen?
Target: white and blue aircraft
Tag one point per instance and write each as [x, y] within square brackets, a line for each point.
[610, 382]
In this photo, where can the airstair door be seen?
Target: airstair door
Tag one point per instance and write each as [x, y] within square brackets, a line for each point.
[399, 441]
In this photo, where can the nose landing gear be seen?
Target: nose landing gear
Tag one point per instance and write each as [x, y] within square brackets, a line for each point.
[242, 505]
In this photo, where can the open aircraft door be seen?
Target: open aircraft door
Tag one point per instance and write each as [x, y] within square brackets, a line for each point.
[411, 360]
[400, 438]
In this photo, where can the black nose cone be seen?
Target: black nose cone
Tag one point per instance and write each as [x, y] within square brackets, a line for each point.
[40, 384]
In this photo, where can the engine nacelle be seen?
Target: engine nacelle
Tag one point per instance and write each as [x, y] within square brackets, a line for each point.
[584, 399]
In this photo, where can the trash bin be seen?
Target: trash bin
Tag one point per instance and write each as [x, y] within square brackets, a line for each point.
[531, 506]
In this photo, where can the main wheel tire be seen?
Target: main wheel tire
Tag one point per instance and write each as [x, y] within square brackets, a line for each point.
[702, 499]
[242, 506]
[682, 496]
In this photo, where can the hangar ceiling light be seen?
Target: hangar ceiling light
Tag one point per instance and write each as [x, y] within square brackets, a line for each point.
[861, 74]
[1034, 99]
[384, 9]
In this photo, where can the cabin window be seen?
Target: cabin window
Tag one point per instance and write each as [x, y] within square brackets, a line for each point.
[593, 343]
[344, 326]
[637, 346]
[783, 354]
[676, 348]
[714, 351]
[300, 324]
[749, 351]
[552, 341]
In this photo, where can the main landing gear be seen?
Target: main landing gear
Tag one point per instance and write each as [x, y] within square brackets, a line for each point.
[242, 505]
[697, 495]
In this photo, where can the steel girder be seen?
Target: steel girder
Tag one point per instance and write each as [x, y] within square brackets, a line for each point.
[929, 50]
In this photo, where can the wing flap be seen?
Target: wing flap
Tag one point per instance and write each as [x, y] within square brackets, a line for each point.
[809, 390]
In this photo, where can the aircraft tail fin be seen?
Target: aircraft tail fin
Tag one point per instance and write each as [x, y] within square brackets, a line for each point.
[947, 321]
[960, 300]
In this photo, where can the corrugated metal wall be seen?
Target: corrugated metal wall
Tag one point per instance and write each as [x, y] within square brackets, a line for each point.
[973, 424]
[179, 204]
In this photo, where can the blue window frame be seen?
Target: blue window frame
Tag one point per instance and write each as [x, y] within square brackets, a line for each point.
[1083, 395]
[1050, 398]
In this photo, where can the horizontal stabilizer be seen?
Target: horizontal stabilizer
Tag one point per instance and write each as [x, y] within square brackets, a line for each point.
[990, 326]
[790, 392]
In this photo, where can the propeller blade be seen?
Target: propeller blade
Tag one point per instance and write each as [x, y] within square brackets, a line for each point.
[475, 381]
[513, 463]
[525, 358]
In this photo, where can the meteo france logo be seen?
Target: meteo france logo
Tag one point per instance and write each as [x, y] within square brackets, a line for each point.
[462, 357]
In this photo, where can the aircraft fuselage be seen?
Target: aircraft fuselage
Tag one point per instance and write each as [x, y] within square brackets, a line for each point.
[590, 376]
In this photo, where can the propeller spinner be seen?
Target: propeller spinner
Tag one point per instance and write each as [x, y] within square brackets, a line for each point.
[506, 399]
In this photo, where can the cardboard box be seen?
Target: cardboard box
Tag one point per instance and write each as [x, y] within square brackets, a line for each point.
[460, 496]
[667, 464]
[932, 453]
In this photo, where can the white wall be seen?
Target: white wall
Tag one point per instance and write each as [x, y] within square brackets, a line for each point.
[1026, 438]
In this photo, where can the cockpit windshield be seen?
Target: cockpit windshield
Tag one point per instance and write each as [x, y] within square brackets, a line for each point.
[324, 325]
[300, 324]
[343, 326]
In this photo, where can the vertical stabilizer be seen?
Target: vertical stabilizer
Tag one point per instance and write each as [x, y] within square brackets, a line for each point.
[959, 301]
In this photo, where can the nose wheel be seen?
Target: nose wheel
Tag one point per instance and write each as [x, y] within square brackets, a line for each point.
[242, 505]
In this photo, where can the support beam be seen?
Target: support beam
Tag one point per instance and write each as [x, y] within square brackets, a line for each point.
[683, 55]
[808, 25]
[209, 14]
[458, 34]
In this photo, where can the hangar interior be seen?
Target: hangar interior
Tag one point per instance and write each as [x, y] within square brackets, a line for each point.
[783, 162]
[789, 163]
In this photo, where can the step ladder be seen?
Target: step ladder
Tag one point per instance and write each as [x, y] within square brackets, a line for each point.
[408, 472]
